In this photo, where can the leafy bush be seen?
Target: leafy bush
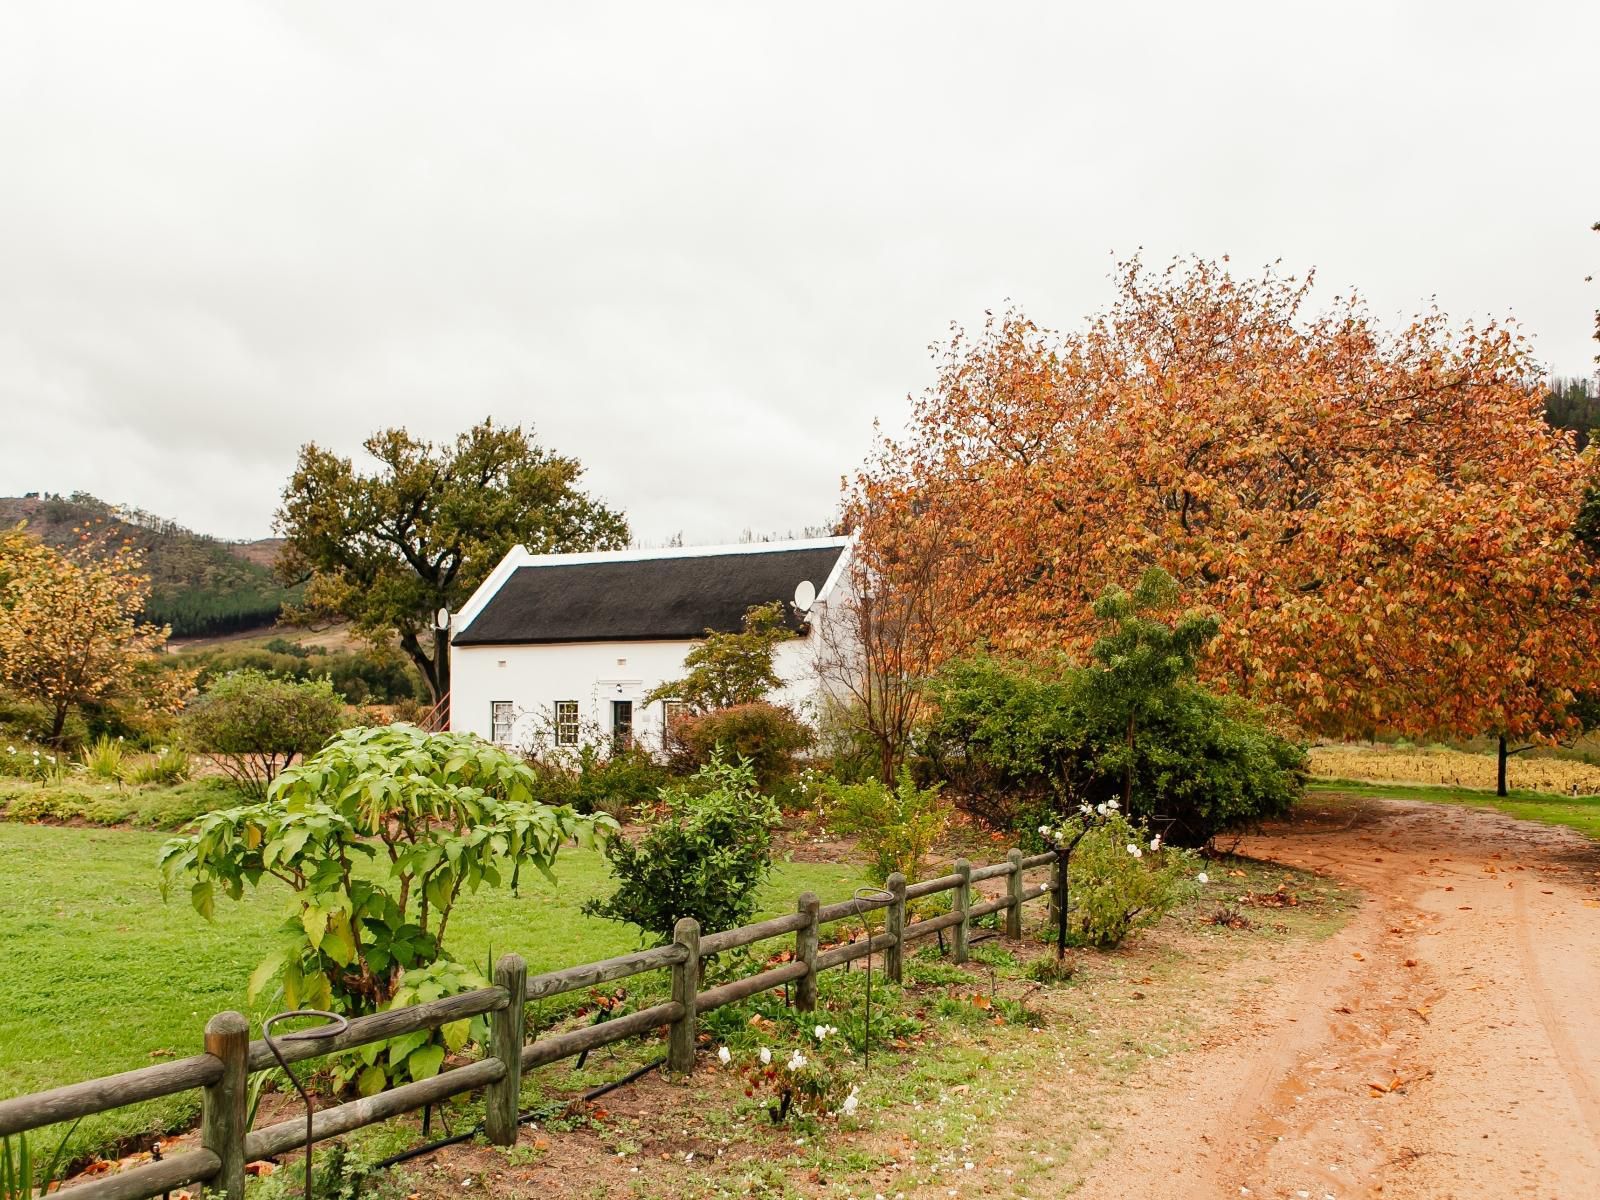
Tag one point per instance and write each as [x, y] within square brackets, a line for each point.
[42, 766]
[253, 726]
[376, 836]
[168, 766]
[705, 858]
[897, 827]
[1117, 883]
[766, 736]
[105, 760]
[619, 784]
[1017, 739]
[1006, 735]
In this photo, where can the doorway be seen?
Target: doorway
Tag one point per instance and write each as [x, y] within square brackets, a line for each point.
[621, 725]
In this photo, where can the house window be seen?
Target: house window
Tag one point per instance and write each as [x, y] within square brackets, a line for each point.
[566, 722]
[622, 724]
[501, 718]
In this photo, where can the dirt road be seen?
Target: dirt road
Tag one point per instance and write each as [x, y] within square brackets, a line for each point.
[1444, 1046]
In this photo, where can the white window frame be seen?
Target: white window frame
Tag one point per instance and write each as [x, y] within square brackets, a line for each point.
[502, 711]
[567, 722]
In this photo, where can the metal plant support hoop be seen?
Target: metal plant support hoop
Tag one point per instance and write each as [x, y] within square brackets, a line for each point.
[862, 895]
[336, 1025]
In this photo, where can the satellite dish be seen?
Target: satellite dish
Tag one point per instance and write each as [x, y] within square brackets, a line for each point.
[441, 619]
[805, 595]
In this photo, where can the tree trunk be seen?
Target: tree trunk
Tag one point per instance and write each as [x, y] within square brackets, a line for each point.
[58, 724]
[441, 664]
[1500, 776]
[425, 665]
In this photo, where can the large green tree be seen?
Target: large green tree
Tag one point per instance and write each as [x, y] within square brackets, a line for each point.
[387, 549]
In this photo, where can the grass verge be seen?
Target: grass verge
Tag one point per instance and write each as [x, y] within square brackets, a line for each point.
[103, 976]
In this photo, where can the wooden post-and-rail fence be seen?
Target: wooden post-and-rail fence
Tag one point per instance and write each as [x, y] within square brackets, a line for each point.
[230, 1057]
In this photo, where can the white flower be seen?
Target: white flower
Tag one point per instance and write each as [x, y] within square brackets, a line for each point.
[724, 1055]
[1044, 830]
[766, 1056]
[797, 1061]
[1155, 842]
[1111, 805]
[1203, 877]
[820, 1031]
[1135, 851]
[1100, 808]
[11, 749]
[851, 1102]
[1085, 809]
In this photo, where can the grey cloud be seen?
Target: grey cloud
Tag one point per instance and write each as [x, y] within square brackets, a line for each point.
[702, 247]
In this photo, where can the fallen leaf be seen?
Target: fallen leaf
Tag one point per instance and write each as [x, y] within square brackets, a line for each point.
[1422, 1010]
[1411, 962]
[1358, 955]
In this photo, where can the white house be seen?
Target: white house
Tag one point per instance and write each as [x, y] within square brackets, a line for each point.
[564, 648]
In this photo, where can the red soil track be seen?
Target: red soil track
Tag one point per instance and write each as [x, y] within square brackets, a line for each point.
[1445, 1045]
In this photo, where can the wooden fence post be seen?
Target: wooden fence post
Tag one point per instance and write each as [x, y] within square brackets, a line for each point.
[805, 951]
[963, 902]
[505, 1043]
[1057, 871]
[1014, 889]
[685, 987]
[894, 922]
[223, 1104]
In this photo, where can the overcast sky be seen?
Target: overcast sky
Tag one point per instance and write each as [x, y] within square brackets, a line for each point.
[702, 247]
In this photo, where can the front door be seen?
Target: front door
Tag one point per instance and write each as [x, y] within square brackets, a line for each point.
[622, 724]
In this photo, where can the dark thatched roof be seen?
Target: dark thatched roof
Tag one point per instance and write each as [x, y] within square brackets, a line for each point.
[646, 599]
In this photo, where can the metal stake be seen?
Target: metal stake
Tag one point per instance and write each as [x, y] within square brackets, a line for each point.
[863, 894]
[336, 1025]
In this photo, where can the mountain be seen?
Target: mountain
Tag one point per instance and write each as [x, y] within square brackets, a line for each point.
[199, 585]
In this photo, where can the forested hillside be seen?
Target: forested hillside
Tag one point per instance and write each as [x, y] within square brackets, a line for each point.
[199, 585]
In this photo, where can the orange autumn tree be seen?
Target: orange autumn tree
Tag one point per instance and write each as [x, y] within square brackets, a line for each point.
[70, 633]
[1381, 520]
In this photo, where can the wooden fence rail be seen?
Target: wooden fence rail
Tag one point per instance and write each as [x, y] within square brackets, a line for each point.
[223, 1071]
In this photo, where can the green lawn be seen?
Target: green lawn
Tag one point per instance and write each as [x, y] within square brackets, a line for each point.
[99, 972]
[1576, 812]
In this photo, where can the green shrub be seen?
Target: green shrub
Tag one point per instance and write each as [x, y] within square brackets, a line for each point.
[897, 827]
[253, 726]
[1117, 883]
[1006, 735]
[38, 764]
[168, 766]
[706, 857]
[619, 784]
[377, 836]
[105, 760]
[766, 736]
[1016, 740]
